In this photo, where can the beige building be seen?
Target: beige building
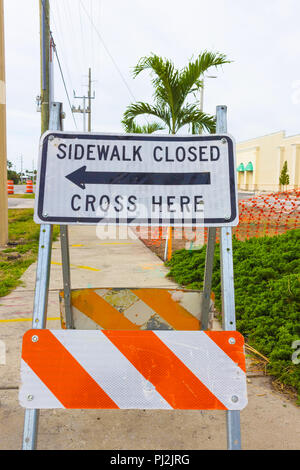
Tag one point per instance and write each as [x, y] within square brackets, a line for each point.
[260, 161]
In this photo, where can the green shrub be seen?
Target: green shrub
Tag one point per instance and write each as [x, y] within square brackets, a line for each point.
[267, 294]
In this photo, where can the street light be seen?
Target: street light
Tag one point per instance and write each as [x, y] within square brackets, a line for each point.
[202, 90]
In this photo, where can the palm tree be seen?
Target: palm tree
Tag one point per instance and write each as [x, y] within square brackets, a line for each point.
[172, 87]
[149, 128]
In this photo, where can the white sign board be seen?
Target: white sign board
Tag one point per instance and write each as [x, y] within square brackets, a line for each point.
[136, 179]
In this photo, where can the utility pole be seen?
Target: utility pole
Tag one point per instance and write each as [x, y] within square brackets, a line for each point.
[3, 149]
[86, 110]
[51, 71]
[32, 416]
[83, 110]
[45, 63]
[21, 169]
[90, 100]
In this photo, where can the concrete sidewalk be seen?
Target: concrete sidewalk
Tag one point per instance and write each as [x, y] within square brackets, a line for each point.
[269, 421]
[19, 203]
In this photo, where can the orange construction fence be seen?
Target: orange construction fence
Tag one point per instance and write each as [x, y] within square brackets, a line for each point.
[265, 214]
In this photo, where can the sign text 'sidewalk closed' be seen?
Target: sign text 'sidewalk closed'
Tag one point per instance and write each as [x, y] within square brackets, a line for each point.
[134, 179]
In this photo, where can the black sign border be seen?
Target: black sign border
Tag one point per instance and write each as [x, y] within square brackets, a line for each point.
[157, 138]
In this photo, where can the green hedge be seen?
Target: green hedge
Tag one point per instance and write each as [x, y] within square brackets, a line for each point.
[267, 294]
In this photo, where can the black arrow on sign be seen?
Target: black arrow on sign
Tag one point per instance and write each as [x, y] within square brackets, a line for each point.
[81, 177]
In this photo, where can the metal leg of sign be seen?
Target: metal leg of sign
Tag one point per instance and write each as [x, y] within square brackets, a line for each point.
[168, 235]
[227, 278]
[166, 249]
[41, 293]
[228, 303]
[39, 321]
[31, 422]
[229, 323]
[65, 256]
[210, 251]
[42, 277]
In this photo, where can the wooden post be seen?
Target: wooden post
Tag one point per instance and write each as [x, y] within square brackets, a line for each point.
[3, 154]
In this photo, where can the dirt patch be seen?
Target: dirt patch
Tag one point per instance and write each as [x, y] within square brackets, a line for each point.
[155, 239]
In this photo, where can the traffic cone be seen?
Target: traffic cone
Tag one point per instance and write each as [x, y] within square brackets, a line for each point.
[10, 187]
[29, 187]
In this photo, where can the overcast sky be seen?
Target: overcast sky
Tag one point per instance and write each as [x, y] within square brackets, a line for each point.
[261, 87]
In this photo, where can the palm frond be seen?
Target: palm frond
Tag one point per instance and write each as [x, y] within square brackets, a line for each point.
[148, 128]
[190, 76]
[141, 108]
[191, 115]
[164, 81]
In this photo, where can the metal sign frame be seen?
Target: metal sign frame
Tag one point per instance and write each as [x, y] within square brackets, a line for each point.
[42, 286]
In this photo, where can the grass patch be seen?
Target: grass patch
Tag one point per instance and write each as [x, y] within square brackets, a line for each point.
[267, 294]
[23, 242]
[21, 196]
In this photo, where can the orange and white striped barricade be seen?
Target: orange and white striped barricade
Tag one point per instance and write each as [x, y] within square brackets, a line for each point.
[29, 187]
[134, 309]
[108, 369]
[10, 187]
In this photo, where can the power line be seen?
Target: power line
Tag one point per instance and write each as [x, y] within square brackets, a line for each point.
[63, 78]
[82, 37]
[69, 14]
[108, 52]
[59, 29]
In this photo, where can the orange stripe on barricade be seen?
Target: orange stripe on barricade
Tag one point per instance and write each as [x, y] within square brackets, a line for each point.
[159, 365]
[232, 349]
[100, 311]
[62, 374]
[160, 300]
